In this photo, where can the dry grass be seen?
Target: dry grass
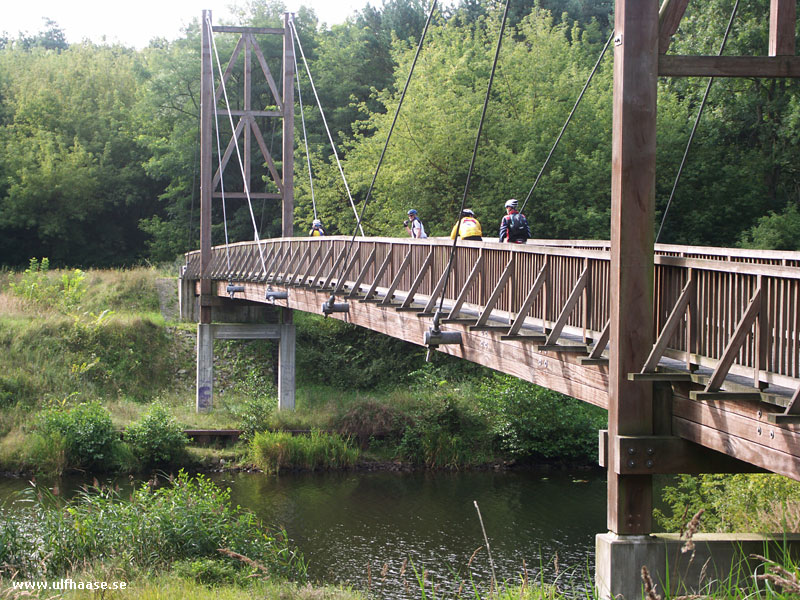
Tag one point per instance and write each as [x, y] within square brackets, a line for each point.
[14, 306]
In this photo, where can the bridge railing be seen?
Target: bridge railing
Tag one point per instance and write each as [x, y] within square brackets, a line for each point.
[731, 310]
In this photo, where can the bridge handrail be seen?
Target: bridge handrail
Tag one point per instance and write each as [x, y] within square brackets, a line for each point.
[575, 297]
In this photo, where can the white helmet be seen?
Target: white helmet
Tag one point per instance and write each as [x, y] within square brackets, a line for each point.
[317, 223]
[467, 212]
[511, 204]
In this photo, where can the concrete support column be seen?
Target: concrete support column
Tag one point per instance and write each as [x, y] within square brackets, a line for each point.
[717, 558]
[286, 352]
[205, 367]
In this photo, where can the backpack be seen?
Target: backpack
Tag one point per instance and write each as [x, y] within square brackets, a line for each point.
[517, 226]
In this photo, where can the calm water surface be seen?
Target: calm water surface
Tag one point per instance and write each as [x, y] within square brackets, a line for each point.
[351, 527]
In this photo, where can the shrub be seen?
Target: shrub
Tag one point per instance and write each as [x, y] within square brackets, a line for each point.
[274, 451]
[370, 420]
[86, 431]
[188, 519]
[156, 439]
[36, 285]
[760, 503]
[446, 433]
[531, 421]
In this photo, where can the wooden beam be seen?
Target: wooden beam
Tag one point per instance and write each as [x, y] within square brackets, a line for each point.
[326, 284]
[268, 74]
[363, 273]
[674, 319]
[476, 272]
[538, 285]
[242, 195]
[600, 345]
[267, 156]
[341, 281]
[728, 66]
[498, 290]
[396, 281]
[290, 277]
[381, 270]
[319, 272]
[735, 343]
[311, 264]
[437, 290]
[206, 185]
[782, 21]
[287, 205]
[574, 296]
[664, 455]
[669, 18]
[229, 68]
[226, 156]
[418, 280]
[251, 30]
[633, 152]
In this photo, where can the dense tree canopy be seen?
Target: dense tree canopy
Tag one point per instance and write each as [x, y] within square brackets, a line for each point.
[99, 144]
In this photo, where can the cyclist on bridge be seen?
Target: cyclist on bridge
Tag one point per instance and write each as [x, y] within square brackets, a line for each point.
[468, 227]
[316, 229]
[514, 226]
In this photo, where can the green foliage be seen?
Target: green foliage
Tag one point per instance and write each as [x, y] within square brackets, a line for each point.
[369, 421]
[531, 421]
[85, 432]
[342, 355]
[157, 439]
[188, 519]
[276, 451]
[208, 571]
[446, 429]
[255, 414]
[35, 285]
[776, 231]
[759, 503]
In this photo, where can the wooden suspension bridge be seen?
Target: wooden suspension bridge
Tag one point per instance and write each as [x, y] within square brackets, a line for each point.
[694, 352]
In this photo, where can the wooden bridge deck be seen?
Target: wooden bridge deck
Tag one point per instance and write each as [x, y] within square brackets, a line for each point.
[727, 324]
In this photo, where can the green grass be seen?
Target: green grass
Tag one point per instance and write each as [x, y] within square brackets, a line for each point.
[277, 451]
[184, 519]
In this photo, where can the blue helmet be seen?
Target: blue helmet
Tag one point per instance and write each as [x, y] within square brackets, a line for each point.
[412, 212]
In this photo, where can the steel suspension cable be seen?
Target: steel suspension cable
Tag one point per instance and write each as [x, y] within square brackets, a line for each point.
[238, 153]
[305, 135]
[696, 121]
[389, 136]
[437, 316]
[324, 121]
[569, 118]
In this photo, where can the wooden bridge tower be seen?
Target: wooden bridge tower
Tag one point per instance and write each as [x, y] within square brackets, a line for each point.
[642, 36]
[246, 127]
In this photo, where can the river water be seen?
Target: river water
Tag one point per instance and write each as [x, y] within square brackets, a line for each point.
[360, 528]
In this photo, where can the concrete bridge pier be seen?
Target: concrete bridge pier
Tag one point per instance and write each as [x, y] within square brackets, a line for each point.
[208, 332]
[678, 569]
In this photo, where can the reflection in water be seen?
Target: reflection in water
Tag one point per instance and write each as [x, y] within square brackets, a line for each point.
[350, 524]
[347, 523]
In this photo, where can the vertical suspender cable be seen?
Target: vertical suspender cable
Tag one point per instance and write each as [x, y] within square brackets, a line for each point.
[696, 121]
[437, 316]
[238, 154]
[305, 135]
[324, 121]
[569, 118]
[389, 136]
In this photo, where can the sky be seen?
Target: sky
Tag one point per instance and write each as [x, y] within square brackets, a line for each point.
[136, 23]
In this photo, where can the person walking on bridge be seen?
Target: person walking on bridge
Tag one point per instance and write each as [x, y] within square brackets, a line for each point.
[514, 226]
[468, 227]
[414, 226]
[316, 229]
